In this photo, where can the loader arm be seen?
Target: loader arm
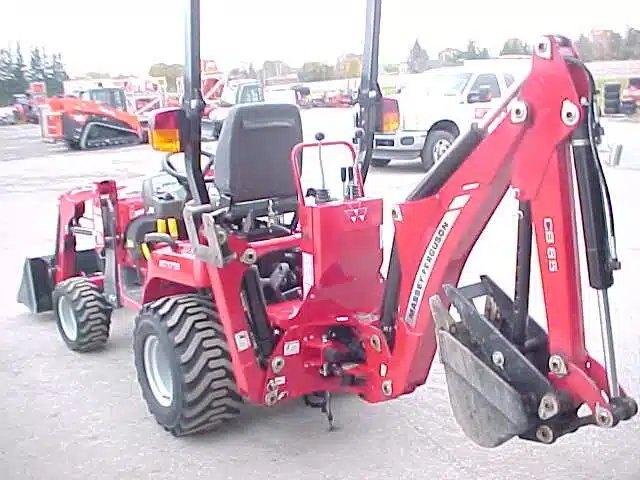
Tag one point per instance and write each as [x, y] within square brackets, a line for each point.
[506, 375]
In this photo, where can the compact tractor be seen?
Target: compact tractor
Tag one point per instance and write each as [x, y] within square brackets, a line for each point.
[250, 289]
[96, 118]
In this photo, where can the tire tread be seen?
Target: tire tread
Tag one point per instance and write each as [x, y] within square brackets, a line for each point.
[93, 312]
[209, 393]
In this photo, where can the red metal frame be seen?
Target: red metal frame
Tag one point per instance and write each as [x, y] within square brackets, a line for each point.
[434, 236]
[533, 158]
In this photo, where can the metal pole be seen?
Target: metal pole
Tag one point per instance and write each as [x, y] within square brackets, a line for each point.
[607, 343]
[193, 105]
[369, 94]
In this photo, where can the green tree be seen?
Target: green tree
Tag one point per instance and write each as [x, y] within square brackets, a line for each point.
[473, 52]
[169, 71]
[17, 82]
[631, 44]
[418, 60]
[515, 46]
[56, 75]
[349, 65]
[585, 48]
[36, 71]
[316, 72]
[5, 75]
[616, 44]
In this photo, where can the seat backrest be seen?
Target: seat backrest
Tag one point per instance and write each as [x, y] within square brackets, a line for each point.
[254, 151]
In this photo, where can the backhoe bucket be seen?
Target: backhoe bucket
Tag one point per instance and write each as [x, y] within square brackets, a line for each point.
[494, 389]
[35, 287]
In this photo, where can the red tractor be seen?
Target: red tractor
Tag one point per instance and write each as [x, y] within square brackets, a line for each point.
[250, 289]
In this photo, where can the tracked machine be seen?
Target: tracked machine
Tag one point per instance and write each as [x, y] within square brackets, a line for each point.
[250, 289]
[98, 118]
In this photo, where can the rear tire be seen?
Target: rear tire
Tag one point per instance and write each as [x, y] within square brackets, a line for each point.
[437, 142]
[183, 365]
[83, 315]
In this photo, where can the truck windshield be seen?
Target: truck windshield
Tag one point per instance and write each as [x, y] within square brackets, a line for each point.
[438, 83]
[251, 94]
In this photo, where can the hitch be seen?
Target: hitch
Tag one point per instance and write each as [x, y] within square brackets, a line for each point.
[498, 389]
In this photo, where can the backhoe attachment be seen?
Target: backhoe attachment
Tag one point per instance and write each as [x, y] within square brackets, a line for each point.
[507, 375]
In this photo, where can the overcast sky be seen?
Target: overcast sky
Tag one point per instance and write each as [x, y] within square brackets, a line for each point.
[127, 36]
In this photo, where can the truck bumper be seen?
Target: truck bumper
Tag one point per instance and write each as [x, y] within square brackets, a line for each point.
[401, 145]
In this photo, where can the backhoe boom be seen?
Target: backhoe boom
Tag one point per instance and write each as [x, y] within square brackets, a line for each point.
[534, 140]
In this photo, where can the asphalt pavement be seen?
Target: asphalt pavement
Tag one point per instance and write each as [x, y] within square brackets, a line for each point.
[67, 416]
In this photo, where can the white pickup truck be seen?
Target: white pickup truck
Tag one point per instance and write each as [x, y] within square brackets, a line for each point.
[433, 108]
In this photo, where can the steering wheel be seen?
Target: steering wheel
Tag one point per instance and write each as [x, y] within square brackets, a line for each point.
[168, 167]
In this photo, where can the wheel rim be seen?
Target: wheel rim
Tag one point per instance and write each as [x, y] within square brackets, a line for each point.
[158, 371]
[67, 319]
[440, 148]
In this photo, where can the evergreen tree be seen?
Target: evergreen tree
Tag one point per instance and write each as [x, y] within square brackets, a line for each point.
[5, 75]
[35, 72]
[17, 83]
[59, 75]
[585, 49]
[515, 46]
[631, 45]
[418, 60]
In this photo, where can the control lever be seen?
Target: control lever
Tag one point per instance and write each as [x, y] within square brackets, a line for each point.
[343, 178]
[353, 188]
[322, 194]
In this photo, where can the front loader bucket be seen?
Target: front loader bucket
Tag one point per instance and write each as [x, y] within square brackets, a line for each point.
[35, 287]
[494, 389]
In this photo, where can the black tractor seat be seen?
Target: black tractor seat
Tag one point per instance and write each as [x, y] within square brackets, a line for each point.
[253, 171]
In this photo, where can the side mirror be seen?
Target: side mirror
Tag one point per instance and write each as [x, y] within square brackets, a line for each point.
[225, 104]
[165, 126]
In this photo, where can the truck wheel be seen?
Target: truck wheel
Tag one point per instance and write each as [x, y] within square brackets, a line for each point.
[438, 142]
[380, 162]
[73, 145]
[183, 364]
[83, 315]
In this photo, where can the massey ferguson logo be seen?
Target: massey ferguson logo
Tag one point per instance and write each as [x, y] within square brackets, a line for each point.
[356, 214]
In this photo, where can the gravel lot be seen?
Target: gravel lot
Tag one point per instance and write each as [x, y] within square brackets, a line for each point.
[65, 416]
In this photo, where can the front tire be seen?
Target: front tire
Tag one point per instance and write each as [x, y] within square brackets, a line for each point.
[183, 365]
[437, 143]
[83, 315]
